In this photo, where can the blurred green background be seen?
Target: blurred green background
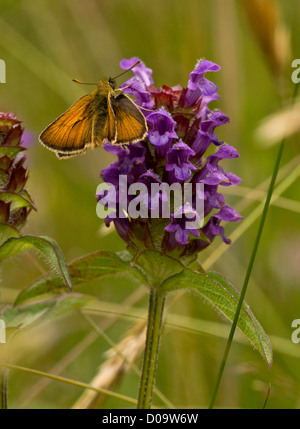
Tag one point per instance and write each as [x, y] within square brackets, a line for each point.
[47, 44]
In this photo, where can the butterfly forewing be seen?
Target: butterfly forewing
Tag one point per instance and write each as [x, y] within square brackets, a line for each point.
[131, 123]
[72, 131]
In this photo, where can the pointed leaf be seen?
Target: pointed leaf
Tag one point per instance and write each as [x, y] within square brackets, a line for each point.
[17, 200]
[45, 246]
[19, 317]
[6, 232]
[86, 269]
[10, 151]
[224, 297]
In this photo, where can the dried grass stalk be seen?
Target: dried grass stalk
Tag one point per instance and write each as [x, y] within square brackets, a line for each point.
[266, 21]
[279, 125]
[119, 361]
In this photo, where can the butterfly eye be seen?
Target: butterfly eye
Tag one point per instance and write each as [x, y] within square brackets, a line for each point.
[112, 83]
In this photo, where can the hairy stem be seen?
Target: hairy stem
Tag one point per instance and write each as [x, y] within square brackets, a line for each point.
[155, 315]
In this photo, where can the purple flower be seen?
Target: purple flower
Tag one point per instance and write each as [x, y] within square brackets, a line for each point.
[182, 225]
[161, 128]
[200, 87]
[213, 227]
[206, 134]
[213, 174]
[178, 163]
[131, 161]
[174, 154]
[147, 198]
[141, 72]
[198, 81]
[138, 84]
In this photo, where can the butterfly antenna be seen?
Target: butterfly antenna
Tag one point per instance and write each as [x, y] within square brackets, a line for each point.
[124, 87]
[144, 108]
[83, 83]
[125, 71]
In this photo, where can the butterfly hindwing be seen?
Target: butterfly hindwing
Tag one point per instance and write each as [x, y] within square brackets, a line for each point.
[71, 132]
[130, 122]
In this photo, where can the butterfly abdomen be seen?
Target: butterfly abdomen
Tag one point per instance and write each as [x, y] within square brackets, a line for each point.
[104, 124]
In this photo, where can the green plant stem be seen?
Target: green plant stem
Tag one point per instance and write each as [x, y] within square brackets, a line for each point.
[250, 265]
[143, 379]
[4, 389]
[155, 315]
[4, 373]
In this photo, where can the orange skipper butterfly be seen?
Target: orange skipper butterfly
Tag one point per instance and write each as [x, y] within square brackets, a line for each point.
[103, 115]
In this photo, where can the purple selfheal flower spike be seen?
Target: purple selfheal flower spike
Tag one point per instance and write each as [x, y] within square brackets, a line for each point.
[180, 228]
[178, 162]
[181, 129]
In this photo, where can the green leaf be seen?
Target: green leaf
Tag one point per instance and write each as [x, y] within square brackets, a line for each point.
[10, 151]
[45, 246]
[86, 269]
[17, 200]
[6, 232]
[224, 298]
[103, 263]
[19, 317]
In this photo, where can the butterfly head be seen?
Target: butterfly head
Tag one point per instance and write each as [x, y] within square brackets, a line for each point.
[112, 83]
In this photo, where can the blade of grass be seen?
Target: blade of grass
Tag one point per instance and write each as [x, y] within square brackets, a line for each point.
[41, 65]
[49, 31]
[115, 347]
[250, 266]
[285, 203]
[187, 324]
[92, 26]
[68, 381]
[263, 186]
[80, 347]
